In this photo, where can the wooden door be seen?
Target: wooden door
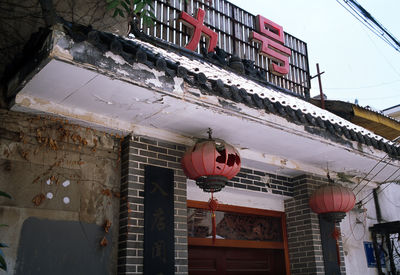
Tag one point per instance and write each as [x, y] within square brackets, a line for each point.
[235, 261]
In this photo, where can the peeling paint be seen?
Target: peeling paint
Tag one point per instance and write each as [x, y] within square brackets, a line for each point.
[229, 105]
[122, 72]
[118, 59]
[92, 120]
[153, 82]
[178, 85]
[61, 52]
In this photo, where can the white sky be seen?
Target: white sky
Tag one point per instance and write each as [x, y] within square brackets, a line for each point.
[357, 64]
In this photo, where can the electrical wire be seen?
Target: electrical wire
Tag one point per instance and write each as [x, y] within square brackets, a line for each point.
[387, 163]
[381, 189]
[364, 22]
[364, 223]
[370, 172]
[371, 23]
[364, 87]
[366, 14]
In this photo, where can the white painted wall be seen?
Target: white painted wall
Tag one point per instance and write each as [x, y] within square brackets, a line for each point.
[238, 197]
[355, 226]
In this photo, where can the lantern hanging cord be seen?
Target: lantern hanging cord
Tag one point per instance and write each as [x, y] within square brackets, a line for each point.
[209, 133]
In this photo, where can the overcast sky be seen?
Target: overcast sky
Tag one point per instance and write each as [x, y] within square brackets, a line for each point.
[357, 64]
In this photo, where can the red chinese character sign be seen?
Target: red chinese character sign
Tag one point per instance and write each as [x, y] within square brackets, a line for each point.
[199, 29]
[270, 36]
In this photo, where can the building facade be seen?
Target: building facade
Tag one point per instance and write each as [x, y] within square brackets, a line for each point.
[97, 126]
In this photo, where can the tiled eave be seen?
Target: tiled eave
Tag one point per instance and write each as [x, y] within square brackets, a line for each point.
[374, 121]
[219, 81]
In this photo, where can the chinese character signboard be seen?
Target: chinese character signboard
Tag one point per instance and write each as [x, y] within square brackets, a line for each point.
[159, 221]
[203, 26]
[199, 29]
[270, 35]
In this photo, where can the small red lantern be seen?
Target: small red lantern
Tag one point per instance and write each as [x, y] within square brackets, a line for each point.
[332, 201]
[211, 163]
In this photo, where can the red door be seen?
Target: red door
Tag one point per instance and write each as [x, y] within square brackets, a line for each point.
[235, 261]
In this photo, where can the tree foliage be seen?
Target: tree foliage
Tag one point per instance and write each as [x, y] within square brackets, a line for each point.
[130, 9]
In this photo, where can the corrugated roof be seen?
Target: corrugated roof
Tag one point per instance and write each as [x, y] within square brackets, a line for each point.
[212, 77]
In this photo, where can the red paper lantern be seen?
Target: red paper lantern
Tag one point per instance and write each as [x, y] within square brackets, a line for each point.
[332, 201]
[211, 163]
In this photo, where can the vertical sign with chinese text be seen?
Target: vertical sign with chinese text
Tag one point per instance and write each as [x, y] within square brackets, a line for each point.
[329, 247]
[158, 221]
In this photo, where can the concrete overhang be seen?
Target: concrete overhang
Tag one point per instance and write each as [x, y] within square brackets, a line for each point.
[101, 90]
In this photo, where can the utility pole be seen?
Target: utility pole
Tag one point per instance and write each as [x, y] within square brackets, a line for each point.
[321, 93]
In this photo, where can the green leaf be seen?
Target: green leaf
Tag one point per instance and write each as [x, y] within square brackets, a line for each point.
[113, 5]
[152, 15]
[147, 21]
[3, 225]
[4, 194]
[125, 6]
[128, 2]
[135, 2]
[115, 13]
[139, 7]
[121, 13]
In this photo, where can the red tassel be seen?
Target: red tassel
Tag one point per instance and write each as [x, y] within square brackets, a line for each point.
[214, 229]
[336, 235]
[213, 205]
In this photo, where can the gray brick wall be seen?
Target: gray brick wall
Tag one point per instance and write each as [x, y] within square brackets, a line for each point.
[135, 154]
[263, 182]
[304, 239]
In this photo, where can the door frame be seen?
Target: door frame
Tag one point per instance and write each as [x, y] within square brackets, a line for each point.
[242, 243]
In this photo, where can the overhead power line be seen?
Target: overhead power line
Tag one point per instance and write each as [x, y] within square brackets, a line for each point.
[379, 191]
[370, 22]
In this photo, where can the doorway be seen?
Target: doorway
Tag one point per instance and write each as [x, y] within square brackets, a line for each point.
[235, 261]
[248, 241]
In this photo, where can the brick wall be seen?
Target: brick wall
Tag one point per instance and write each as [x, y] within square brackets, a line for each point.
[263, 182]
[136, 153]
[304, 239]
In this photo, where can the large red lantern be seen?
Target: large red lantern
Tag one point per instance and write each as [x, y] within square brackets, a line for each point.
[332, 201]
[211, 163]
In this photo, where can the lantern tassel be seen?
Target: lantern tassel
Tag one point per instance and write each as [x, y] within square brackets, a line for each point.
[213, 205]
[214, 233]
[336, 235]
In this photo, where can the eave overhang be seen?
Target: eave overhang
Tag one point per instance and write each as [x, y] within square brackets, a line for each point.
[132, 86]
[379, 123]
